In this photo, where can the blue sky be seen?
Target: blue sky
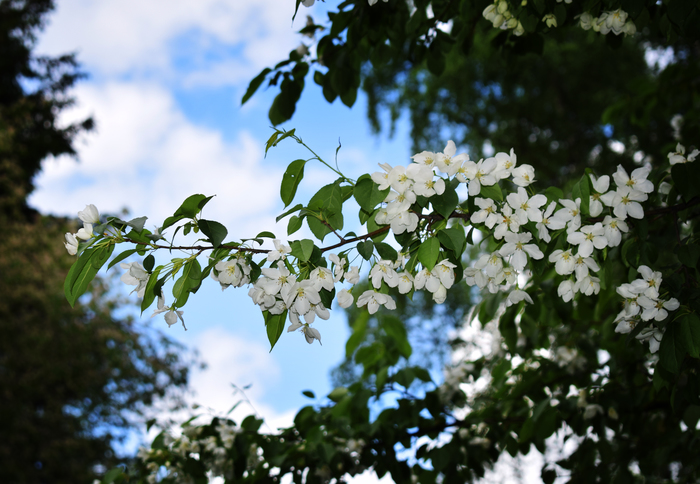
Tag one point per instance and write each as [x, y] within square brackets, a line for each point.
[165, 79]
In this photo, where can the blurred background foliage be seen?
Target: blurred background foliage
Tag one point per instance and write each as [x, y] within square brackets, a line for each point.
[74, 382]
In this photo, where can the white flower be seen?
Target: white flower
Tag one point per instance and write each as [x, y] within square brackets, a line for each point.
[425, 184]
[488, 213]
[384, 271]
[586, 20]
[444, 270]
[505, 164]
[570, 214]
[653, 335]
[625, 201]
[280, 251]
[516, 246]
[564, 262]
[625, 326]
[317, 310]
[345, 298]
[71, 243]
[440, 295]
[583, 265]
[404, 221]
[301, 296]
[548, 223]
[353, 275]
[478, 174]
[550, 20]
[492, 264]
[638, 181]
[382, 179]
[371, 2]
[171, 314]
[566, 290]
[526, 208]
[322, 277]
[507, 222]
[424, 158]
[679, 155]
[587, 285]
[311, 333]
[85, 233]
[613, 228]
[590, 236]
[649, 286]
[405, 282]
[447, 162]
[524, 175]
[600, 185]
[90, 215]
[374, 299]
[233, 272]
[275, 279]
[135, 275]
[516, 296]
[657, 310]
[339, 268]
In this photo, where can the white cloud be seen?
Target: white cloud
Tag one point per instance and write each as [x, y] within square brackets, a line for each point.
[145, 155]
[115, 37]
[232, 364]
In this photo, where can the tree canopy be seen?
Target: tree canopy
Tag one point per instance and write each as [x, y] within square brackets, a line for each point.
[595, 365]
[73, 381]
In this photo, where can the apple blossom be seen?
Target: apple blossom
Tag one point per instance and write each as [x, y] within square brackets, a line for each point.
[135, 275]
[374, 299]
[89, 215]
[71, 243]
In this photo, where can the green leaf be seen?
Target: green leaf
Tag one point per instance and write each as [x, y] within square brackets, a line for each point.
[274, 324]
[296, 208]
[112, 475]
[266, 234]
[367, 193]
[294, 224]
[553, 194]
[337, 394]
[256, 82]
[214, 231]
[690, 334]
[428, 252]
[308, 394]
[290, 181]
[328, 198]
[150, 293]
[137, 223]
[453, 238]
[673, 347]
[121, 257]
[688, 255]
[84, 271]
[302, 249]
[493, 192]
[190, 278]
[189, 209]
[149, 262]
[446, 203]
[386, 251]
[685, 176]
[365, 249]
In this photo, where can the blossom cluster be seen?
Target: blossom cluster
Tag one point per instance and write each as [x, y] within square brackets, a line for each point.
[614, 21]
[643, 303]
[520, 224]
[212, 451]
[498, 14]
[90, 216]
